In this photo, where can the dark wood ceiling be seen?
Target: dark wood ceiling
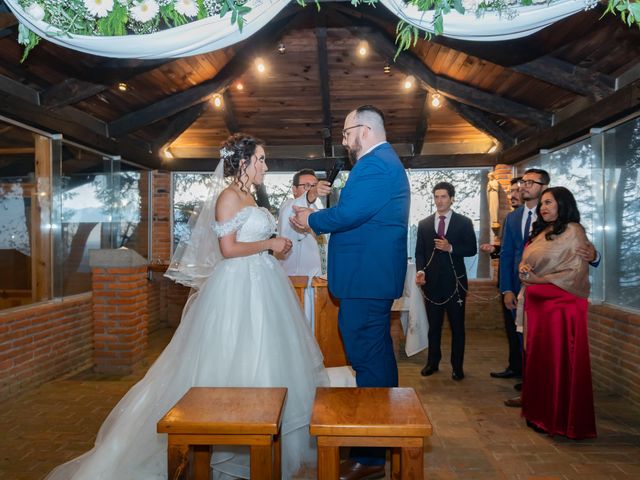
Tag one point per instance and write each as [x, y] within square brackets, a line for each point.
[520, 95]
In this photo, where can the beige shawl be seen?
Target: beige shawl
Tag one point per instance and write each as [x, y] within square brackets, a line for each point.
[557, 261]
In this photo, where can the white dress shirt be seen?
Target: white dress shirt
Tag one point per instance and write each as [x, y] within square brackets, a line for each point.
[304, 257]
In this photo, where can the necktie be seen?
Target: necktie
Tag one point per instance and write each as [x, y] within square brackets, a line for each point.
[527, 226]
[441, 226]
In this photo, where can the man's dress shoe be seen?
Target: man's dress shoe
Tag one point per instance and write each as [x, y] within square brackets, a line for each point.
[514, 402]
[457, 375]
[518, 387]
[428, 370]
[352, 470]
[506, 373]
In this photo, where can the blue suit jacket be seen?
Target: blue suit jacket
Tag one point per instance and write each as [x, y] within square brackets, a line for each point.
[511, 252]
[368, 227]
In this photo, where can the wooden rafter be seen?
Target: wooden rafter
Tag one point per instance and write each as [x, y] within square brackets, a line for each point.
[421, 127]
[469, 95]
[582, 81]
[179, 123]
[228, 114]
[323, 72]
[482, 122]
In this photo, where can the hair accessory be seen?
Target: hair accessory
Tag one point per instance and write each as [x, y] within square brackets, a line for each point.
[226, 153]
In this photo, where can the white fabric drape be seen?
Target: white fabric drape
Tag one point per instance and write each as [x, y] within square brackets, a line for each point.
[214, 33]
[202, 36]
[489, 26]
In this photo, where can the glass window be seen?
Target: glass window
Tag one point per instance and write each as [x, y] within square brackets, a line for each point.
[18, 204]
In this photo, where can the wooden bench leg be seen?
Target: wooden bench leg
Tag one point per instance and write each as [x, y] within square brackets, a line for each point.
[201, 465]
[261, 464]
[328, 463]
[277, 458]
[178, 461]
[395, 463]
[412, 463]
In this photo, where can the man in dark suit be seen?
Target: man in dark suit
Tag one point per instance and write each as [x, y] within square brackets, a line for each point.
[367, 261]
[444, 239]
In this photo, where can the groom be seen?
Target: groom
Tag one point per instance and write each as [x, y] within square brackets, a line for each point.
[367, 260]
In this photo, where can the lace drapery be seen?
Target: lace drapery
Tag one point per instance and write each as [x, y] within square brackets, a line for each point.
[213, 33]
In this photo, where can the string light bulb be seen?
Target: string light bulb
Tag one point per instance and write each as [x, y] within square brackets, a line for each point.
[408, 82]
[387, 68]
[217, 100]
[239, 86]
[281, 49]
[122, 86]
[436, 100]
[260, 66]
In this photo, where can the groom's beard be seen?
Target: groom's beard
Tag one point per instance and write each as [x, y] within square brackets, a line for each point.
[353, 151]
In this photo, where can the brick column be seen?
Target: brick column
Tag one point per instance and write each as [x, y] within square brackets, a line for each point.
[120, 309]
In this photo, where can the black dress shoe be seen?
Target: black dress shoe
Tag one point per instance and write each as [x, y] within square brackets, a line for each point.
[518, 387]
[352, 470]
[428, 370]
[506, 373]
[457, 375]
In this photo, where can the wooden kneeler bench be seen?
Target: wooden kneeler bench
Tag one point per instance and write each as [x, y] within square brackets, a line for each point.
[224, 416]
[370, 417]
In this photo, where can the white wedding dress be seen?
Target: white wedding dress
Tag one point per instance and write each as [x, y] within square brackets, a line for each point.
[244, 327]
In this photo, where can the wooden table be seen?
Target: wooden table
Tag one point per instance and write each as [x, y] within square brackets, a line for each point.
[370, 417]
[224, 416]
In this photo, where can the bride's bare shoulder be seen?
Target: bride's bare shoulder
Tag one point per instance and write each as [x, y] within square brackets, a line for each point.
[228, 205]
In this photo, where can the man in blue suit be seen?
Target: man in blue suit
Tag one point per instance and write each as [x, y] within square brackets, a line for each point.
[367, 260]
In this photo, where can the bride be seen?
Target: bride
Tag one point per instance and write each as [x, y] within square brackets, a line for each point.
[242, 327]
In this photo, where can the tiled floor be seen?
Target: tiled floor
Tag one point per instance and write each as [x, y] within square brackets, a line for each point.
[475, 436]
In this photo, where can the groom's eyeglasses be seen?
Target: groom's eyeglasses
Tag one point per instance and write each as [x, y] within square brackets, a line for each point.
[307, 186]
[346, 130]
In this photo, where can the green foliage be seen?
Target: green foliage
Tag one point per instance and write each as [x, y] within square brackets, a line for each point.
[629, 11]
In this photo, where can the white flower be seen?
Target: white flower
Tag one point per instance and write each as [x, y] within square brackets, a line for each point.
[188, 8]
[35, 11]
[469, 5]
[99, 8]
[145, 10]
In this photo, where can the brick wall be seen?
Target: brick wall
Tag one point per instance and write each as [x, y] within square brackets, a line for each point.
[161, 226]
[614, 339]
[44, 341]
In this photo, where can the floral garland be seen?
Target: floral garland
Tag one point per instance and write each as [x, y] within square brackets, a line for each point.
[123, 17]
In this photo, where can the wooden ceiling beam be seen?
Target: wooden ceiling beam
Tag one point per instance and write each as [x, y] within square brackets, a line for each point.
[181, 101]
[70, 91]
[228, 114]
[602, 112]
[179, 123]
[482, 122]
[325, 164]
[583, 81]
[325, 94]
[469, 95]
[422, 126]
[30, 113]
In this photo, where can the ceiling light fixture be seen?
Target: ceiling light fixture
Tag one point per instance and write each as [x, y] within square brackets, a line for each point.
[217, 100]
[387, 68]
[282, 49]
[436, 100]
[122, 87]
[239, 86]
[408, 82]
[260, 65]
[363, 49]
[167, 154]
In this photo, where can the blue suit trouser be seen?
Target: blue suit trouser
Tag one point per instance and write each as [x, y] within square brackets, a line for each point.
[365, 328]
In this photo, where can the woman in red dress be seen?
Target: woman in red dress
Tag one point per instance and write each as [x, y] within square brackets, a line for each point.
[557, 395]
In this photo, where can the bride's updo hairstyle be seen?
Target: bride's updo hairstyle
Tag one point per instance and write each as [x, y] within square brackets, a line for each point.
[238, 147]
